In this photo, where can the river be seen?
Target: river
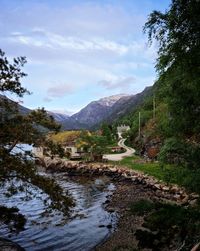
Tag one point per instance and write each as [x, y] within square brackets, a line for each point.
[88, 225]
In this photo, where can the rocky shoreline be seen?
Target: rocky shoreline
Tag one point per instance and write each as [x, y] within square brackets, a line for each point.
[163, 191]
[131, 186]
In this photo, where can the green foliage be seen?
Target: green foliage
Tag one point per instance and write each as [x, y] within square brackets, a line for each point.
[54, 148]
[107, 132]
[92, 143]
[163, 122]
[177, 31]
[11, 74]
[174, 151]
[177, 151]
[170, 224]
[141, 207]
[183, 176]
[65, 137]
[16, 129]
[150, 168]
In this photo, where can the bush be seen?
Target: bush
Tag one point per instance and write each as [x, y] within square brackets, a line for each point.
[193, 159]
[169, 225]
[174, 151]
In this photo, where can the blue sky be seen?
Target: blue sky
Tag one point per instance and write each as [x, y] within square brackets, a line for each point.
[77, 50]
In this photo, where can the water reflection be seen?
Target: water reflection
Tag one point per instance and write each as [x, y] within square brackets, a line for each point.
[80, 232]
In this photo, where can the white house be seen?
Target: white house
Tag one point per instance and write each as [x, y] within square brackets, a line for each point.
[121, 129]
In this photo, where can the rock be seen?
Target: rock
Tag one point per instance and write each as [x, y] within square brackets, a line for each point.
[113, 169]
[158, 186]
[194, 196]
[119, 173]
[193, 203]
[110, 209]
[165, 188]
[174, 189]
[176, 196]
[109, 226]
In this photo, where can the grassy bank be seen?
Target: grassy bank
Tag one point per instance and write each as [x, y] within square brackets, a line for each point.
[186, 177]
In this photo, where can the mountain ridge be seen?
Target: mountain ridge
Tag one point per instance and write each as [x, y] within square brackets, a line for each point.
[106, 109]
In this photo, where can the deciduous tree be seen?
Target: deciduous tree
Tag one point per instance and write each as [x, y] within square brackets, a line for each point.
[18, 167]
[177, 32]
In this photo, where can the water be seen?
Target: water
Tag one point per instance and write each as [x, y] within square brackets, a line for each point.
[79, 232]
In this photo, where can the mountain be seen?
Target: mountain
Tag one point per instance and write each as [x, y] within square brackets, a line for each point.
[128, 104]
[23, 110]
[105, 109]
[94, 113]
[59, 117]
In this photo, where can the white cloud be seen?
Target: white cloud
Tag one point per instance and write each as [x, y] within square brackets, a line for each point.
[59, 91]
[121, 83]
[56, 41]
[77, 42]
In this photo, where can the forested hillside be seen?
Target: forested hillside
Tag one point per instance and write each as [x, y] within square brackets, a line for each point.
[170, 116]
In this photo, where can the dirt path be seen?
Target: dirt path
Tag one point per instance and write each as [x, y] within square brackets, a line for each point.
[116, 157]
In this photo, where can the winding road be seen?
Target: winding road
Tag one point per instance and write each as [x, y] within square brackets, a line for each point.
[116, 157]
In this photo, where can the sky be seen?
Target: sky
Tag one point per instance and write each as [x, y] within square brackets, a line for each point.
[77, 50]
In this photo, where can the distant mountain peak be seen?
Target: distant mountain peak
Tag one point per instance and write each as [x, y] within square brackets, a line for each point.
[58, 116]
[111, 100]
[105, 109]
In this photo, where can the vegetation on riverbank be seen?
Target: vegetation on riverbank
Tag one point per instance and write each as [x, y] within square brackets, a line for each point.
[166, 225]
[171, 174]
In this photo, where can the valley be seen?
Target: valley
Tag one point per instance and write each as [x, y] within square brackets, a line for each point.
[122, 173]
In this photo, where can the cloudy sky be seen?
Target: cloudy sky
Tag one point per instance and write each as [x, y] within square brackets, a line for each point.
[79, 50]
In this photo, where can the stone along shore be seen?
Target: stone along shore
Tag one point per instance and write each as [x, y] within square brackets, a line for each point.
[131, 186]
[119, 173]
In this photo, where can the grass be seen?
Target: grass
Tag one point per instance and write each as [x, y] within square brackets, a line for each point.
[188, 178]
[65, 136]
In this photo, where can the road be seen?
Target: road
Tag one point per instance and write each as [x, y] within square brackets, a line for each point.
[116, 157]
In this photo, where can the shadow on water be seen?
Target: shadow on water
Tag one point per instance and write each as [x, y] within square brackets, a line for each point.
[86, 227]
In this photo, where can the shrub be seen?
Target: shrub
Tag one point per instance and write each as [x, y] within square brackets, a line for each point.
[169, 225]
[174, 151]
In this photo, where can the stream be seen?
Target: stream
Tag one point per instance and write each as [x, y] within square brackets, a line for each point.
[89, 223]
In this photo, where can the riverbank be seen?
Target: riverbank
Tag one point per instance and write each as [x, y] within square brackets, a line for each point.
[124, 236]
[173, 230]
[165, 192]
[131, 187]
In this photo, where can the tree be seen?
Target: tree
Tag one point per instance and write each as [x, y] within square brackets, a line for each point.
[178, 34]
[18, 167]
[107, 131]
[94, 144]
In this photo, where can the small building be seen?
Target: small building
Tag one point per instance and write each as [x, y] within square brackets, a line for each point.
[38, 152]
[116, 149]
[74, 152]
